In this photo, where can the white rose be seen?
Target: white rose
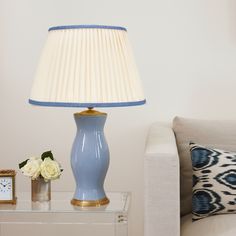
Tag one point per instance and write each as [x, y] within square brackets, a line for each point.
[32, 168]
[50, 169]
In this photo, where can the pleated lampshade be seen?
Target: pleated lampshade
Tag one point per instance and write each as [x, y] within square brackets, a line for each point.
[87, 66]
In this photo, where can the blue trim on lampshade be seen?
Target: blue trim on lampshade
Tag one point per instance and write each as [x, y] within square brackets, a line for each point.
[71, 104]
[86, 27]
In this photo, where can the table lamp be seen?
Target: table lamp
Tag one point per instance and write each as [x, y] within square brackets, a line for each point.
[87, 66]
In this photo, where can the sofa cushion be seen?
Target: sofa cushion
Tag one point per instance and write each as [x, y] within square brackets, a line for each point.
[214, 134]
[214, 181]
[220, 225]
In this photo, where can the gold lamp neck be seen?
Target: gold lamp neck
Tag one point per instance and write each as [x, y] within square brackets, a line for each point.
[90, 112]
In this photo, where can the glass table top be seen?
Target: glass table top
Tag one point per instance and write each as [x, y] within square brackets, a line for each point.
[60, 202]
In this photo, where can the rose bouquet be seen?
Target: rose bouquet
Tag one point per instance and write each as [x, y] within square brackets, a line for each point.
[45, 167]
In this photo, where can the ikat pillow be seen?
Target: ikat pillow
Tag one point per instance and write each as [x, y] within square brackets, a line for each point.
[214, 181]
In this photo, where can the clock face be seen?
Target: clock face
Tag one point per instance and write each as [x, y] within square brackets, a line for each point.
[6, 188]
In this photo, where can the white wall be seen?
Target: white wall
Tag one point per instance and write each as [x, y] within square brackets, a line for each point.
[186, 54]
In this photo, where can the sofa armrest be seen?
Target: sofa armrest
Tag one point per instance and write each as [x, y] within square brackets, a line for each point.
[161, 170]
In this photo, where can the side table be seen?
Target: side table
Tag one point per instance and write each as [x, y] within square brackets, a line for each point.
[59, 217]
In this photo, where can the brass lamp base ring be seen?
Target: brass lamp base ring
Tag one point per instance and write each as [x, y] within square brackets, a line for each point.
[92, 203]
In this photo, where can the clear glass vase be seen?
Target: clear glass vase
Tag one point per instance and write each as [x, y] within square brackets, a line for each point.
[40, 190]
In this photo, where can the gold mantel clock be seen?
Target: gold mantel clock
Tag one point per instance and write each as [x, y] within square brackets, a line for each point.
[7, 187]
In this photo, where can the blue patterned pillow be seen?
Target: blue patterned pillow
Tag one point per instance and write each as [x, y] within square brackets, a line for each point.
[214, 181]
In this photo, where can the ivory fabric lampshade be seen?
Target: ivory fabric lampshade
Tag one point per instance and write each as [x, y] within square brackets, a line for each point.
[88, 66]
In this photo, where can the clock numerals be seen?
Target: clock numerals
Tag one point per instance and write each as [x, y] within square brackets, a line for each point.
[6, 188]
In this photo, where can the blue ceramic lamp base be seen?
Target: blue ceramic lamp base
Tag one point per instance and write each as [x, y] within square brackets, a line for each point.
[90, 159]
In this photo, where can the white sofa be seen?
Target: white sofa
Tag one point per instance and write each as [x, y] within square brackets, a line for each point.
[164, 178]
